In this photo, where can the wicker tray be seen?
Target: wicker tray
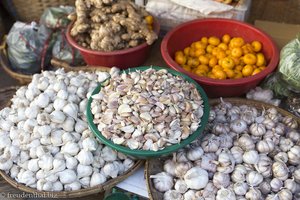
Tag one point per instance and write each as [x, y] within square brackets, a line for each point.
[5, 95]
[154, 167]
[31, 10]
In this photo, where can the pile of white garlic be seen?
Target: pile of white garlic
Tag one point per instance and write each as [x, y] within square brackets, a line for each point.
[245, 154]
[45, 142]
[147, 110]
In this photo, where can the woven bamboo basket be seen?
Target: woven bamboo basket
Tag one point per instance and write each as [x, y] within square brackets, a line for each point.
[156, 166]
[5, 95]
[31, 10]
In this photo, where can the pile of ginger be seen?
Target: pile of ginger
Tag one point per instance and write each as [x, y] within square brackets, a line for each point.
[108, 25]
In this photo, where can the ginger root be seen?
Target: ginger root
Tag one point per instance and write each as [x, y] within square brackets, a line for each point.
[108, 25]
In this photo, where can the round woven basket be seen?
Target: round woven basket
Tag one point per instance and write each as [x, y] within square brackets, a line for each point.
[156, 166]
[5, 95]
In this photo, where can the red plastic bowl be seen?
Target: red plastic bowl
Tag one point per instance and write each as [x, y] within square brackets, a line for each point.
[123, 59]
[183, 35]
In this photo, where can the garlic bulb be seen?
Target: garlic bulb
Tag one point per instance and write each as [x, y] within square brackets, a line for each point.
[220, 128]
[246, 143]
[265, 187]
[70, 148]
[33, 165]
[257, 129]
[71, 162]
[254, 178]
[296, 175]
[72, 186]
[253, 194]
[189, 195]
[111, 170]
[108, 154]
[238, 126]
[285, 144]
[57, 186]
[237, 153]
[180, 186]
[221, 180]
[27, 178]
[169, 167]
[264, 166]
[45, 162]
[285, 194]
[208, 162]
[67, 176]
[280, 170]
[281, 157]
[240, 188]
[225, 141]
[225, 194]
[84, 170]
[97, 179]
[294, 155]
[182, 167]
[291, 185]
[226, 162]
[210, 144]
[276, 184]
[294, 136]
[172, 194]
[89, 144]
[196, 178]
[265, 146]
[251, 157]
[194, 153]
[239, 174]
[181, 156]
[85, 157]
[290, 122]
[162, 181]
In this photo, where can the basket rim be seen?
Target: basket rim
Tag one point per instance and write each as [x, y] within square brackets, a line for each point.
[76, 193]
[212, 102]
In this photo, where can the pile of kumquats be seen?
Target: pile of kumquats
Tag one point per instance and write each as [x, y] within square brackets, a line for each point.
[222, 58]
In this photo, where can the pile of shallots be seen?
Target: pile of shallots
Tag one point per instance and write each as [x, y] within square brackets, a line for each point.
[245, 154]
[147, 110]
[45, 142]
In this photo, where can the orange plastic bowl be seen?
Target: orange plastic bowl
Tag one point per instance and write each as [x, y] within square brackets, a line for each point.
[123, 59]
[184, 34]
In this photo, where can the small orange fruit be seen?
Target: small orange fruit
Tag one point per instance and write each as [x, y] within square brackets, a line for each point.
[211, 75]
[223, 46]
[200, 45]
[247, 70]
[221, 54]
[220, 74]
[204, 40]
[203, 60]
[213, 40]
[227, 63]
[205, 68]
[249, 59]
[149, 19]
[238, 74]
[199, 52]
[229, 72]
[236, 42]
[256, 71]
[236, 52]
[186, 51]
[257, 46]
[200, 72]
[212, 61]
[180, 59]
[226, 38]
[187, 68]
[260, 59]
[209, 48]
[238, 67]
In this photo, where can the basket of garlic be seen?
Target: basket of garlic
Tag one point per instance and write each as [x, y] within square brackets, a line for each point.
[45, 142]
[251, 150]
[148, 111]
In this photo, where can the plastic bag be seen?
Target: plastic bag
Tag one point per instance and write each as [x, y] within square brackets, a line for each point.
[26, 44]
[289, 65]
[62, 50]
[56, 17]
[171, 13]
[286, 80]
